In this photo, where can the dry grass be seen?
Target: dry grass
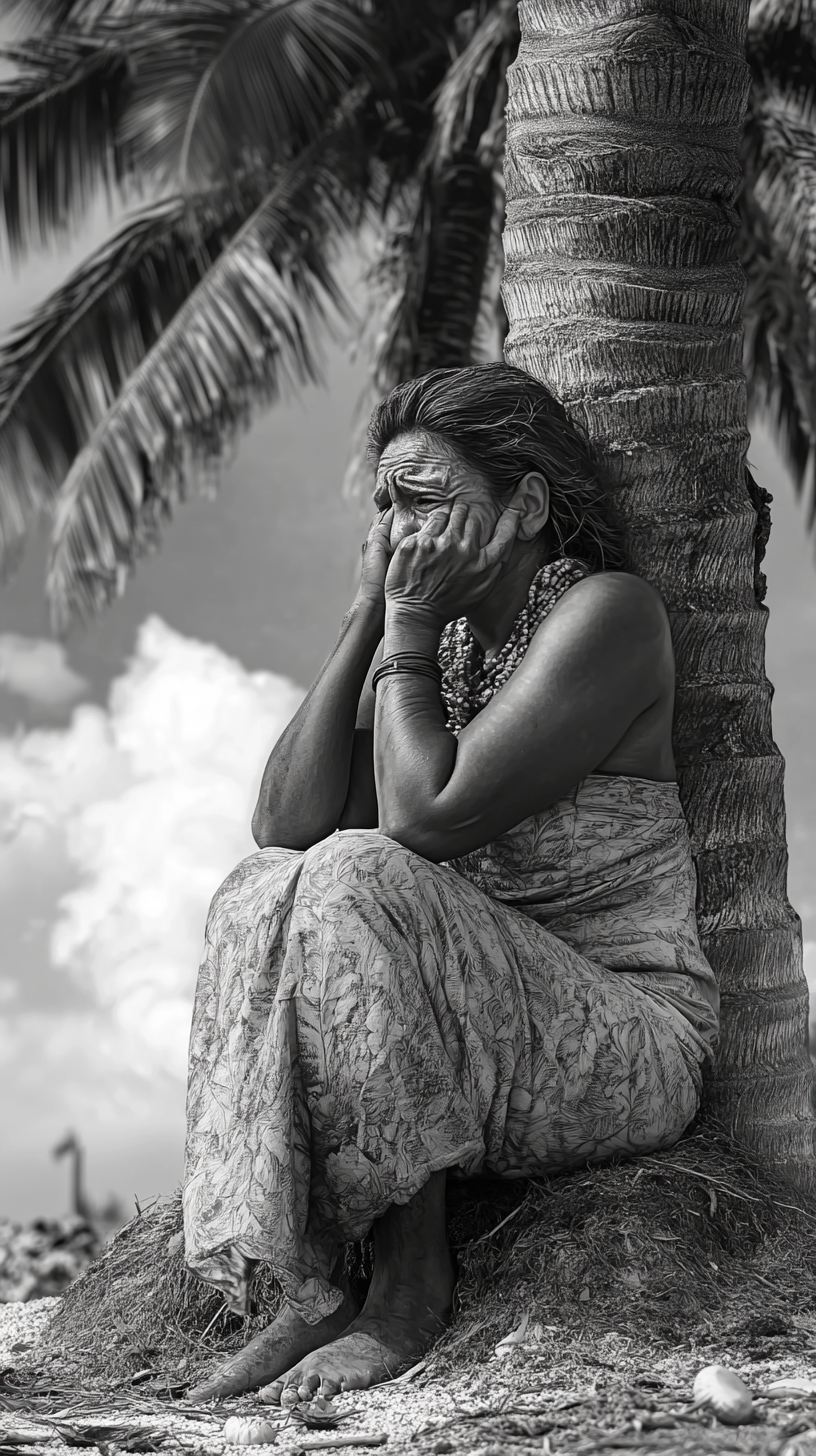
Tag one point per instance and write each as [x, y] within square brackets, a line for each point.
[663, 1247]
[692, 1239]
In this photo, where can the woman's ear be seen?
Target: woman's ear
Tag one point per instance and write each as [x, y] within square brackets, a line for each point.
[532, 498]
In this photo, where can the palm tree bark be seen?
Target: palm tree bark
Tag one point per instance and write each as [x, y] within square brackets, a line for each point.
[624, 296]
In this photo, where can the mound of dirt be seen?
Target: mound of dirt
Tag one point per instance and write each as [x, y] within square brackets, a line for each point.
[658, 1246]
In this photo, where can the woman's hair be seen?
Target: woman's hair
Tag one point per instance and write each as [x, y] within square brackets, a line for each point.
[504, 423]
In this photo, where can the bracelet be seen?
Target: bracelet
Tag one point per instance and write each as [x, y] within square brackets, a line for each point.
[407, 662]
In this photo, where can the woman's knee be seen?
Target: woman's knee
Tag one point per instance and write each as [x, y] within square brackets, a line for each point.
[357, 856]
[237, 891]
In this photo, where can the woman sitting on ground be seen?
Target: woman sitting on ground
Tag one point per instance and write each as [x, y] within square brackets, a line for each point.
[468, 939]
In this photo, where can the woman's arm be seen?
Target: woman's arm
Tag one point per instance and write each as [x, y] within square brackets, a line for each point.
[319, 776]
[600, 659]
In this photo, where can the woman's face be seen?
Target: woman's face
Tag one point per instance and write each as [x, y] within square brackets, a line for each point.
[419, 474]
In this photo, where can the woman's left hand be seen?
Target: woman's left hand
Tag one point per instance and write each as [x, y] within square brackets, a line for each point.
[441, 569]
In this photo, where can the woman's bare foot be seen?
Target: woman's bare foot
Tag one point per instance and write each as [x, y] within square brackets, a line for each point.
[288, 1338]
[408, 1305]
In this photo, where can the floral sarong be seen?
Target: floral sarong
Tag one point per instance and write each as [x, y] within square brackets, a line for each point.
[365, 1018]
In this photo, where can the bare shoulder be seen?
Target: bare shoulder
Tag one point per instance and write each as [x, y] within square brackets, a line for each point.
[621, 597]
[613, 624]
[618, 602]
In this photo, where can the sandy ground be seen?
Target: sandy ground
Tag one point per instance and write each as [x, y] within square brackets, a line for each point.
[543, 1397]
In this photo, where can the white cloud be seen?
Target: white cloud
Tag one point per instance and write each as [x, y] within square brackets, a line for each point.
[38, 669]
[148, 804]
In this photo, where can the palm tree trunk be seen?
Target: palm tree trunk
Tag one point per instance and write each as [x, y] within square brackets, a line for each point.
[624, 296]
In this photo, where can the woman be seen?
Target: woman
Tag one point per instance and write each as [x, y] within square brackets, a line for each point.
[468, 938]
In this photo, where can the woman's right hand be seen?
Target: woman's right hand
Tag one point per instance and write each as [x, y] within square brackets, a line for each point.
[377, 555]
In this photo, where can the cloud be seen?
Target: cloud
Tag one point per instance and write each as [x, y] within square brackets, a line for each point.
[37, 669]
[132, 815]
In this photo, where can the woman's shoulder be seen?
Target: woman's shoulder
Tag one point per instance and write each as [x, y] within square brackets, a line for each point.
[619, 595]
[626, 584]
[613, 620]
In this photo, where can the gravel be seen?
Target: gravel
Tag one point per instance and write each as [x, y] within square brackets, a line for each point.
[22, 1324]
[568, 1379]
[396, 1411]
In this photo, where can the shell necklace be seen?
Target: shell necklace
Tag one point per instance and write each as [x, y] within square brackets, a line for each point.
[468, 682]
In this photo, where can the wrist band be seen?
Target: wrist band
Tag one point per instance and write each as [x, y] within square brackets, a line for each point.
[407, 662]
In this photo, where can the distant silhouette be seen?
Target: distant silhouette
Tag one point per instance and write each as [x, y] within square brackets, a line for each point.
[79, 1202]
[102, 1220]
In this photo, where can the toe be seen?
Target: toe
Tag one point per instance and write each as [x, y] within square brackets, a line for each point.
[329, 1386]
[355, 1380]
[271, 1394]
[308, 1383]
[210, 1390]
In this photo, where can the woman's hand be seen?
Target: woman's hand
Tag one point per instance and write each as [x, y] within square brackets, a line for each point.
[442, 570]
[377, 555]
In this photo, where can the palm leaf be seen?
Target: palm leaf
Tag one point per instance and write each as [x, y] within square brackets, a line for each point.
[778, 211]
[780, 161]
[780, 342]
[225, 83]
[494, 41]
[785, 56]
[241, 336]
[784, 17]
[778, 208]
[58, 121]
[433, 285]
[51, 15]
[205, 86]
[438, 262]
[62, 369]
[281, 70]
[436, 281]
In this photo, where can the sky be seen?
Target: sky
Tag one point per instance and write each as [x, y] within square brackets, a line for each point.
[130, 758]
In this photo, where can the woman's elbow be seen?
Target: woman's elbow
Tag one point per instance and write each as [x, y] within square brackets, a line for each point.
[264, 829]
[271, 832]
[413, 836]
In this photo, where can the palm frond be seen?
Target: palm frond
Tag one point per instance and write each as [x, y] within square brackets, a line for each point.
[58, 122]
[491, 325]
[62, 369]
[778, 208]
[785, 56]
[457, 97]
[780, 161]
[279, 73]
[208, 86]
[218, 84]
[437, 265]
[780, 342]
[460, 225]
[51, 15]
[242, 335]
[436, 281]
[794, 16]
[432, 286]
[428, 276]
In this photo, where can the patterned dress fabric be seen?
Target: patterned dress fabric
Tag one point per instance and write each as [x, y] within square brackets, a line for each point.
[365, 1018]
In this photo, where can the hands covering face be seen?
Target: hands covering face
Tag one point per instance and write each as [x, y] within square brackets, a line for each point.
[377, 552]
[441, 538]
[443, 569]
